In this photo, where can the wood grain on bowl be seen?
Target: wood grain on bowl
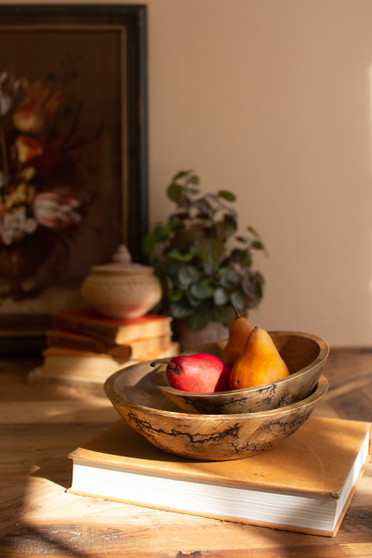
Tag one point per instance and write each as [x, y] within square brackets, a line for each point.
[202, 436]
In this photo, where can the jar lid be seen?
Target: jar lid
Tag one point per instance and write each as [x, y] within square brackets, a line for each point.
[122, 262]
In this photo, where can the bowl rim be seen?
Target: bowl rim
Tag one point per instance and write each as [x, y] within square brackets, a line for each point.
[109, 388]
[321, 358]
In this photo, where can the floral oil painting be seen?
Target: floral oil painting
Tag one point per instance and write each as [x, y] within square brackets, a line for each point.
[62, 163]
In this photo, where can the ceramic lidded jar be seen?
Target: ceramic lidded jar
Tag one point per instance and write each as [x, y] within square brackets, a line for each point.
[121, 289]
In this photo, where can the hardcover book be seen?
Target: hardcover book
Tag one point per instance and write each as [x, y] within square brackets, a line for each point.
[59, 361]
[139, 349]
[303, 484]
[87, 322]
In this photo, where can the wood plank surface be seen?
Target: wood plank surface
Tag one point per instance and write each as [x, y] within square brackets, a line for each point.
[41, 424]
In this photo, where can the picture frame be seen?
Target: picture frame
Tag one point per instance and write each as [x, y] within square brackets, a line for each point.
[73, 155]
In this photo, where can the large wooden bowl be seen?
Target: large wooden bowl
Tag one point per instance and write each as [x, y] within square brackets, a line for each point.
[305, 355]
[204, 437]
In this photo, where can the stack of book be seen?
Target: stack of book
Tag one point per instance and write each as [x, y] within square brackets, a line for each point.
[85, 346]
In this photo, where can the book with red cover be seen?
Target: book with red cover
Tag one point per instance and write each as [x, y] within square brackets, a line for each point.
[119, 331]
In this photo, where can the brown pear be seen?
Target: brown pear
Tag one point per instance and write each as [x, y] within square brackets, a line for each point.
[239, 331]
[259, 363]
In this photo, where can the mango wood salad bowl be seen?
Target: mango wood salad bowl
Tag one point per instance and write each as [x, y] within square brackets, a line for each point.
[207, 437]
[305, 355]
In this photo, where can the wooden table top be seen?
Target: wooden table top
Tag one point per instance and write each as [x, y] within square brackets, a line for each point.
[41, 424]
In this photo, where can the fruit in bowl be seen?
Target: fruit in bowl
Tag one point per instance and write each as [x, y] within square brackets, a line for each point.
[304, 355]
[199, 373]
[250, 358]
[239, 331]
[259, 362]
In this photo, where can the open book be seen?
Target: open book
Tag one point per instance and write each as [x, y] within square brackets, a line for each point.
[303, 484]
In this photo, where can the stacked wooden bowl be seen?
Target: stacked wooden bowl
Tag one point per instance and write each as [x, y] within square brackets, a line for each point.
[225, 425]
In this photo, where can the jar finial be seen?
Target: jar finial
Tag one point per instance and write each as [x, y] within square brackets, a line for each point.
[122, 255]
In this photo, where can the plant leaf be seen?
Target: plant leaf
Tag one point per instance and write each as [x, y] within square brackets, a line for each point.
[258, 245]
[194, 179]
[187, 274]
[253, 286]
[181, 174]
[237, 299]
[204, 207]
[248, 285]
[148, 244]
[229, 225]
[227, 195]
[243, 257]
[229, 278]
[175, 296]
[183, 239]
[252, 230]
[210, 250]
[210, 269]
[179, 257]
[175, 192]
[194, 302]
[180, 310]
[202, 290]
[220, 296]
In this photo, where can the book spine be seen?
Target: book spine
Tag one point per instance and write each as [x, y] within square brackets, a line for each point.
[114, 333]
[105, 332]
[83, 344]
[121, 352]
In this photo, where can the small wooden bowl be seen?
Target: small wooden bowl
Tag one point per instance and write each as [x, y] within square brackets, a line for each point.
[305, 356]
[205, 437]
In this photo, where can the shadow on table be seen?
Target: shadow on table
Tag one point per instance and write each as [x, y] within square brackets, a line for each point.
[26, 532]
[31, 451]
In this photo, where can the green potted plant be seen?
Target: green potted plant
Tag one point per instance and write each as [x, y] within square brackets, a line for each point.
[204, 265]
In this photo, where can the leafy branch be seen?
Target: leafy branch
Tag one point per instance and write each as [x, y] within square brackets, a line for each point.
[205, 268]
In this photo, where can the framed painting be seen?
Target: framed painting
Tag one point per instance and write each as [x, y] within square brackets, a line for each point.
[73, 155]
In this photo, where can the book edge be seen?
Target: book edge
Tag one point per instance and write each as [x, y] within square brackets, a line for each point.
[245, 521]
[132, 464]
[353, 488]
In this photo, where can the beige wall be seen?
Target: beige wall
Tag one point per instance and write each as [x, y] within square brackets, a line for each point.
[272, 99]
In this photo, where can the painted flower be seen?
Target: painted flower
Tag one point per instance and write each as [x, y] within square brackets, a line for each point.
[9, 87]
[42, 125]
[27, 173]
[27, 149]
[23, 193]
[15, 224]
[56, 210]
[37, 106]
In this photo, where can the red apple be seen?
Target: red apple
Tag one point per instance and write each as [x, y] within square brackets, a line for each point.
[199, 373]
